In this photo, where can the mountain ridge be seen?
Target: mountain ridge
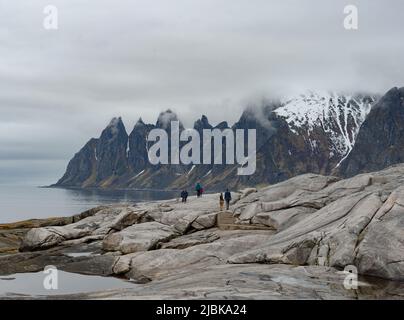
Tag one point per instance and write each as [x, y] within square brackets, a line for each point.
[313, 132]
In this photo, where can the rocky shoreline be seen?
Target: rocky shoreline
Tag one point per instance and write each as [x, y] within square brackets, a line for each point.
[291, 240]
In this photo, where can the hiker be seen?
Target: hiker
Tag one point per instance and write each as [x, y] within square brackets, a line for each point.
[221, 201]
[227, 198]
[198, 189]
[184, 195]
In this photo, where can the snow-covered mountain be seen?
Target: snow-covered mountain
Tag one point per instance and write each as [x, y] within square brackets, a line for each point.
[339, 115]
[310, 132]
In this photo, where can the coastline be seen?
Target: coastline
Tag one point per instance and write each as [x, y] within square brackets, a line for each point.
[105, 189]
[270, 244]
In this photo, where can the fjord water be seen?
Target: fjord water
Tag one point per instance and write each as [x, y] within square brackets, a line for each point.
[27, 202]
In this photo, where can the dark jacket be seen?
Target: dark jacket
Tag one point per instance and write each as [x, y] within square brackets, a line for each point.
[227, 196]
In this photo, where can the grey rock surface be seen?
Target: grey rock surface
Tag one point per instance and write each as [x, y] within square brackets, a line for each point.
[318, 224]
[139, 237]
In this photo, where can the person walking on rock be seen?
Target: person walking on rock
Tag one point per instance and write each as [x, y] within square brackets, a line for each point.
[198, 189]
[221, 201]
[227, 198]
[184, 196]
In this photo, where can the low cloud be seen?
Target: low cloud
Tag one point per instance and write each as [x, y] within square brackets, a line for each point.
[137, 58]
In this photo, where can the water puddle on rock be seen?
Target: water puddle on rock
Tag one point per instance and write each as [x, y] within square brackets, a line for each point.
[32, 284]
[80, 254]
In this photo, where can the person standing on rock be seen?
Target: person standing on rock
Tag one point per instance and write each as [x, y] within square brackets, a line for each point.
[221, 201]
[198, 189]
[227, 198]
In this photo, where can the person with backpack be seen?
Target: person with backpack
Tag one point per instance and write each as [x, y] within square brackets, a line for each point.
[184, 195]
[227, 198]
[198, 189]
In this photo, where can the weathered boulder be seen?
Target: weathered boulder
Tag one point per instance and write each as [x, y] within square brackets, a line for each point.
[306, 182]
[247, 191]
[184, 223]
[129, 217]
[98, 224]
[249, 211]
[42, 238]
[139, 237]
[205, 221]
[193, 239]
[282, 219]
[381, 251]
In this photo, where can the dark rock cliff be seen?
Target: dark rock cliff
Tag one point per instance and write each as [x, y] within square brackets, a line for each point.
[380, 142]
[323, 134]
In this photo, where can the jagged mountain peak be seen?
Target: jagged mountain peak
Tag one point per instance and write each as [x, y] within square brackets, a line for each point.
[164, 119]
[202, 123]
[204, 119]
[222, 125]
[391, 97]
[114, 129]
[115, 121]
[139, 123]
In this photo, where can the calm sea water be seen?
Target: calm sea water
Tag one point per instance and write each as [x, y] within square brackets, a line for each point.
[25, 202]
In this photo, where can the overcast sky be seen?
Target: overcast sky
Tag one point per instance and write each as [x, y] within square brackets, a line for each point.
[135, 58]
